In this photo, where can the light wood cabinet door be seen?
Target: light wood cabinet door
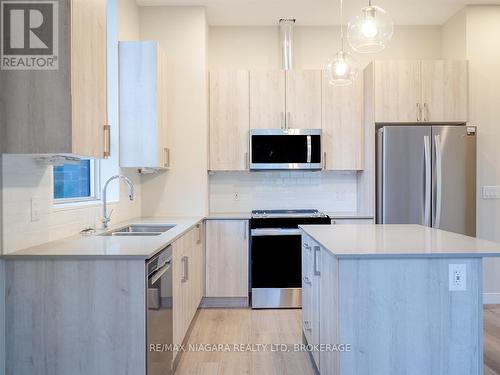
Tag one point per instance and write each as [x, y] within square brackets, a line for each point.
[445, 90]
[179, 291]
[267, 99]
[163, 149]
[62, 111]
[226, 258]
[328, 311]
[307, 288]
[143, 118]
[195, 271]
[303, 99]
[229, 120]
[88, 76]
[343, 127]
[397, 87]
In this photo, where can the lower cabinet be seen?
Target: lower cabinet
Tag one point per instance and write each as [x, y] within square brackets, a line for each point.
[310, 295]
[226, 258]
[187, 281]
[319, 303]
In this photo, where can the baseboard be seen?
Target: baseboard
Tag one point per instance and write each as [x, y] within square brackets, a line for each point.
[491, 298]
[224, 302]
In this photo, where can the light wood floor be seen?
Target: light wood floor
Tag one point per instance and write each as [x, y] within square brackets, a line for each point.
[492, 340]
[245, 326]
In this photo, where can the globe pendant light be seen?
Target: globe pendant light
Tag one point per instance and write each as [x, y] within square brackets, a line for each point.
[370, 31]
[341, 68]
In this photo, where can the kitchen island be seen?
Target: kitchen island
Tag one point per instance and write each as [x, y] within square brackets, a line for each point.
[403, 299]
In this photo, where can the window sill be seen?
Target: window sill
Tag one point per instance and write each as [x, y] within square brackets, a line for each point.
[65, 206]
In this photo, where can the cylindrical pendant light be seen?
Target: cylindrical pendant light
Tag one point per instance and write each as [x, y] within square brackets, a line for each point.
[370, 31]
[341, 68]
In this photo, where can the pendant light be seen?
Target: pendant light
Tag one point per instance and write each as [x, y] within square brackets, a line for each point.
[341, 68]
[370, 31]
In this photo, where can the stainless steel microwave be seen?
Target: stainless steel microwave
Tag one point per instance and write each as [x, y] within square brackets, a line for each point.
[284, 149]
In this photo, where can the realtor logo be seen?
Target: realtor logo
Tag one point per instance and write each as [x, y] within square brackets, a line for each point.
[29, 35]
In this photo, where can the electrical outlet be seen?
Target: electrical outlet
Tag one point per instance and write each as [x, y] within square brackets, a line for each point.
[236, 196]
[491, 192]
[35, 209]
[457, 277]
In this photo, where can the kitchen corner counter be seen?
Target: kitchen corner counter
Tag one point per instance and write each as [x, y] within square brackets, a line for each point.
[397, 240]
[112, 247]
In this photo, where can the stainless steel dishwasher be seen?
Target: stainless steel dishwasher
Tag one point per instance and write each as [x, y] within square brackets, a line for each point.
[159, 323]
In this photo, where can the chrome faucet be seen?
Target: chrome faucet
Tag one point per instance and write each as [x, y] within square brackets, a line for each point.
[106, 218]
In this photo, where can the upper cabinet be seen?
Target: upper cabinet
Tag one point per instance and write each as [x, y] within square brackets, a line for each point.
[397, 91]
[229, 120]
[267, 99]
[285, 99]
[143, 102]
[343, 129]
[445, 91]
[420, 91]
[63, 110]
[303, 99]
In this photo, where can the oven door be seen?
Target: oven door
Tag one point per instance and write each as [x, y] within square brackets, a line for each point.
[285, 149]
[276, 268]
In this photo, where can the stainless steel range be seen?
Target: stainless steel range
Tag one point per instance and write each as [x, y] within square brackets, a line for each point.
[276, 257]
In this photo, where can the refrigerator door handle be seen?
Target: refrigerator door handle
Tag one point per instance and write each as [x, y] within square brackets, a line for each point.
[428, 187]
[439, 180]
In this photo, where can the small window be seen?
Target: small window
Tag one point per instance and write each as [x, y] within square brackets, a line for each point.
[74, 182]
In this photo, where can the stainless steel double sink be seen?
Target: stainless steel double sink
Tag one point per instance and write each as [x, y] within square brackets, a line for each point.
[140, 230]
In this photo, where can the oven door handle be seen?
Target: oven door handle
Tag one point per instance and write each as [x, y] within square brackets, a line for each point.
[276, 232]
[160, 272]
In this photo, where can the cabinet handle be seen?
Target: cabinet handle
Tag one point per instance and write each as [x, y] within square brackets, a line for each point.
[426, 112]
[107, 141]
[283, 121]
[185, 277]
[316, 262]
[166, 150]
[245, 231]
[199, 234]
[247, 163]
[324, 160]
[419, 112]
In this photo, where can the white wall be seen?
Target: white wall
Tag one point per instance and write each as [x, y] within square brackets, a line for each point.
[182, 33]
[483, 53]
[128, 14]
[24, 178]
[453, 36]
[258, 47]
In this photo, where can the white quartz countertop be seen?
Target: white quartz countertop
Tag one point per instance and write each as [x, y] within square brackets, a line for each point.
[389, 240]
[95, 246]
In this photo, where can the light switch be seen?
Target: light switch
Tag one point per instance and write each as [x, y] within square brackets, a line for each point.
[491, 192]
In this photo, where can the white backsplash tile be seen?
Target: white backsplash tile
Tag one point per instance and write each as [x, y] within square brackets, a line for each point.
[326, 191]
[24, 178]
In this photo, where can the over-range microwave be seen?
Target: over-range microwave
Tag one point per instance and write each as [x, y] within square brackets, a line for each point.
[285, 149]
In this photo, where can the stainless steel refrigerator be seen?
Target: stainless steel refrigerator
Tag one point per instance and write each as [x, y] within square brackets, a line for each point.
[427, 175]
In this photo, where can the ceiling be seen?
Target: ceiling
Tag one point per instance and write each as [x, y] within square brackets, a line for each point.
[319, 12]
